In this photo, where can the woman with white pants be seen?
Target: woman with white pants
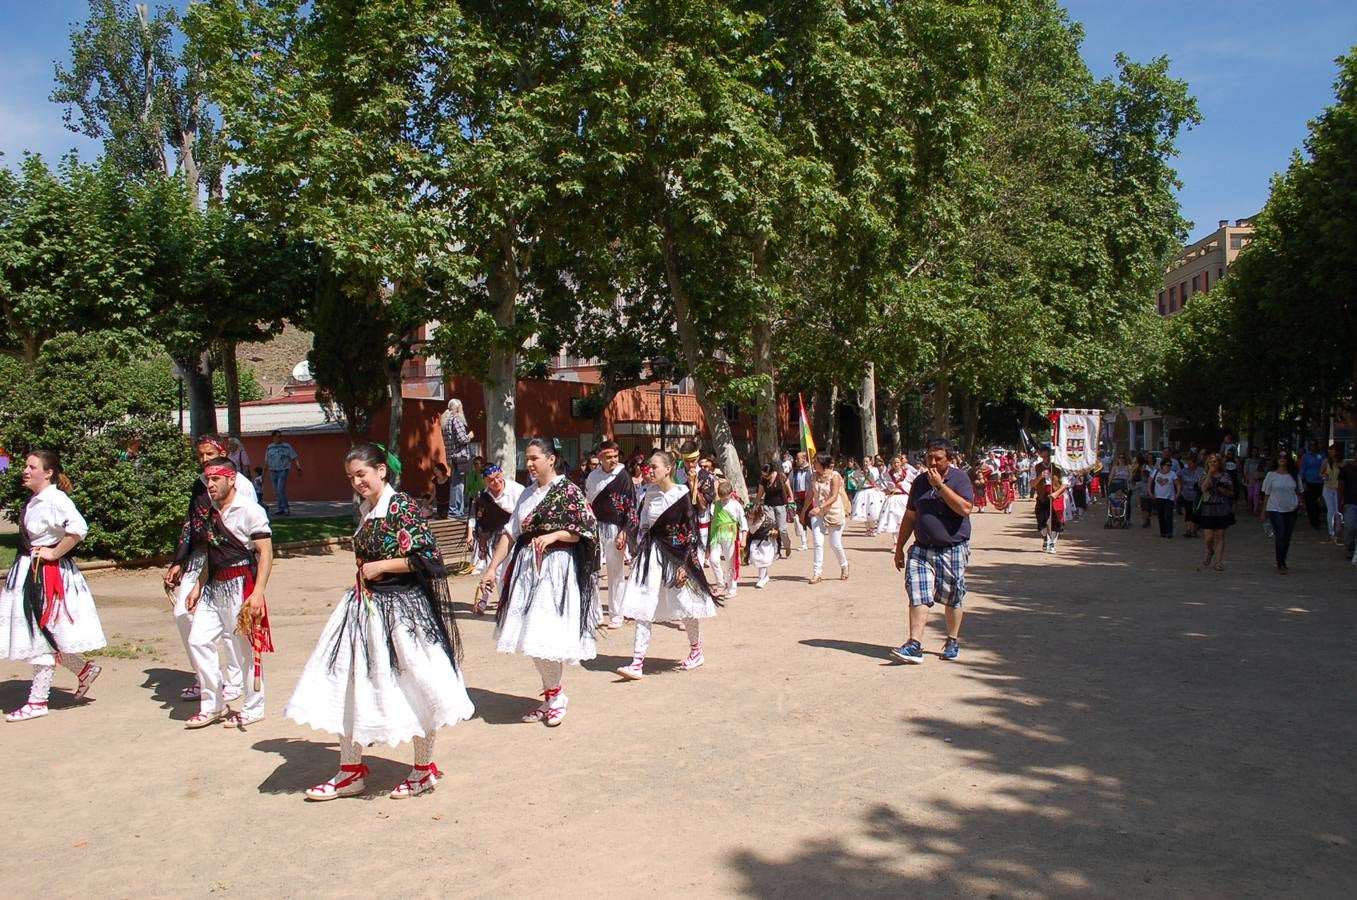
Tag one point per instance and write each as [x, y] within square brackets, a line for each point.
[828, 509]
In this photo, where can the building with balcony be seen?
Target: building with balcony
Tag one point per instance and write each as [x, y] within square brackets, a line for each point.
[1197, 267]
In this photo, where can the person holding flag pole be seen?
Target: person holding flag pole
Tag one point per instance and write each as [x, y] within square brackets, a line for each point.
[801, 475]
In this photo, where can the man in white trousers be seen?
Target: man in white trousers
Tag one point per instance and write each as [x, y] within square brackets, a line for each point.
[613, 498]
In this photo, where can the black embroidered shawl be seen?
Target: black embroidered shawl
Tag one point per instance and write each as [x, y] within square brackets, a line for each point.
[615, 504]
[674, 535]
[193, 534]
[490, 520]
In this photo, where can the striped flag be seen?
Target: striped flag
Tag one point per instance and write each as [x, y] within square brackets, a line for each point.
[807, 439]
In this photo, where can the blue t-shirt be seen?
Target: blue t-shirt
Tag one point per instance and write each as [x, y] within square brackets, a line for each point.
[937, 524]
[1310, 464]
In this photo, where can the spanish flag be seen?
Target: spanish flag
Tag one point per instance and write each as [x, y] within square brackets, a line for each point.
[807, 439]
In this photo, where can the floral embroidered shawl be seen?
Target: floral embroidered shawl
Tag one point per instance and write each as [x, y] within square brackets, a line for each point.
[675, 536]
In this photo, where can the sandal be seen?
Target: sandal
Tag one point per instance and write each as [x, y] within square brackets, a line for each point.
[340, 785]
[27, 711]
[414, 785]
[204, 719]
[555, 713]
[192, 692]
[241, 721]
[815, 580]
[230, 693]
[1219, 567]
[87, 676]
[843, 574]
[540, 712]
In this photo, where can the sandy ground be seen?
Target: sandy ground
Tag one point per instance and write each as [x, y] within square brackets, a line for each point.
[1120, 724]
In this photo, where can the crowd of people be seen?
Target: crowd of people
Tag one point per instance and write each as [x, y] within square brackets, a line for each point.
[667, 532]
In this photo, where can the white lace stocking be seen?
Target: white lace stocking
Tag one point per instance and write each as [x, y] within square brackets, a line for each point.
[642, 642]
[423, 749]
[350, 753]
[693, 627]
[551, 671]
[42, 684]
[74, 662]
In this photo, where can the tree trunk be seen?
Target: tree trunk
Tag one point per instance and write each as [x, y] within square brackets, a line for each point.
[397, 418]
[690, 342]
[894, 425]
[766, 442]
[202, 409]
[501, 383]
[231, 371]
[606, 393]
[970, 407]
[942, 408]
[867, 409]
[822, 417]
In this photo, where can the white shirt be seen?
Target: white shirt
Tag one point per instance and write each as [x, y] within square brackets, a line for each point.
[1281, 491]
[599, 479]
[507, 500]
[379, 509]
[246, 520]
[657, 501]
[51, 515]
[1163, 484]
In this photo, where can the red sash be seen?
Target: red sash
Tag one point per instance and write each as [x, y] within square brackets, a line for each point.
[53, 592]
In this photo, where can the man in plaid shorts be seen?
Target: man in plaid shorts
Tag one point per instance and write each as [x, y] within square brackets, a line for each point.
[938, 515]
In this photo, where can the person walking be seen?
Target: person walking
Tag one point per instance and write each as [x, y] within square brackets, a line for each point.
[457, 438]
[548, 606]
[827, 513]
[279, 457]
[47, 613]
[667, 582]
[1281, 504]
[1189, 492]
[1216, 512]
[1312, 483]
[610, 493]
[938, 518]
[775, 492]
[1164, 488]
[1347, 486]
[234, 581]
[800, 481]
[1333, 510]
[1254, 470]
[387, 667]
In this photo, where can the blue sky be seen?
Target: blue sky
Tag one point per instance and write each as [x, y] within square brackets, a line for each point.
[1260, 70]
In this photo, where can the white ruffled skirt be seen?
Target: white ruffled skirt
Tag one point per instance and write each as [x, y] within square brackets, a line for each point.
[762, 553]
[867, 504]
[892, 513]
[532, 621]
[351, 687]
[76, 629]
[649, 599]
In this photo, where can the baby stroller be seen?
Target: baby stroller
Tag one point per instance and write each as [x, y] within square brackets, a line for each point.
[1118, 508]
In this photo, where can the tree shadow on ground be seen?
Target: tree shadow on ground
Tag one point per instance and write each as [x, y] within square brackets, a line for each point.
[1141, 728]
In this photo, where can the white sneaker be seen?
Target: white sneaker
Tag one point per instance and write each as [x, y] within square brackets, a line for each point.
[761, 583]
[632, 671]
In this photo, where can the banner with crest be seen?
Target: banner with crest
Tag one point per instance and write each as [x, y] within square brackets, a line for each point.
[1074, 438]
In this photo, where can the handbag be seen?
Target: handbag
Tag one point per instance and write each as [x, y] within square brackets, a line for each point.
[834, 515]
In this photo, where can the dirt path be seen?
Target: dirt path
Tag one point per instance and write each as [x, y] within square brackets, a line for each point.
[1120, 724]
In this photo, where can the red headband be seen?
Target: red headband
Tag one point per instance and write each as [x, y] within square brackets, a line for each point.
[214, 444]
[219, 471]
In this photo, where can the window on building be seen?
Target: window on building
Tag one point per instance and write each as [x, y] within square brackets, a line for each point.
[1196, 284]
[1163, 301]
[1236, 242]
[1173, 295]
[1206, 282]
[1182, 295]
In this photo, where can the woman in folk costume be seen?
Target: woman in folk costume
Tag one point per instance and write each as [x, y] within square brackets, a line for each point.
[762, 548]
[867, 503]
[667, 580]
[47, 614]
[189, 556]
[548, 606]
[895, 485]
[387, 667]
